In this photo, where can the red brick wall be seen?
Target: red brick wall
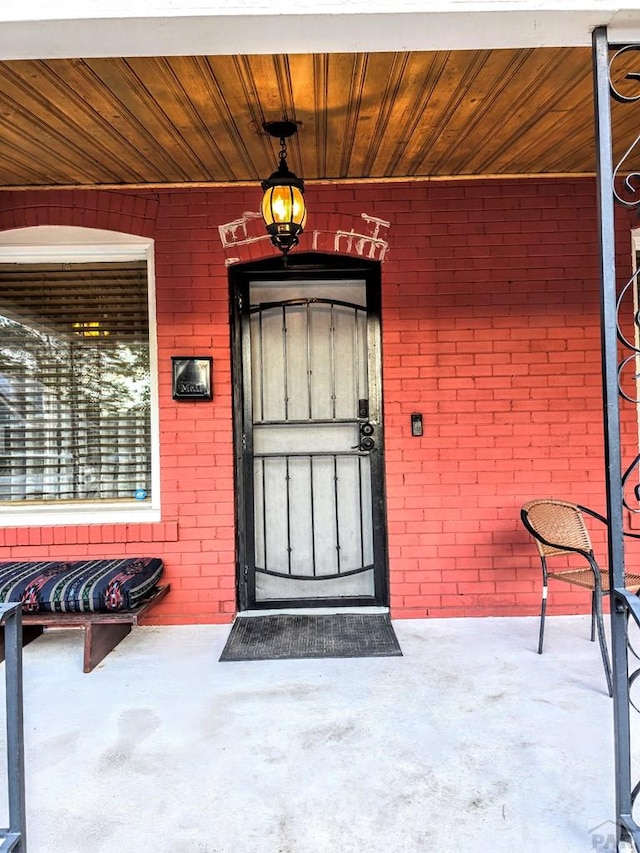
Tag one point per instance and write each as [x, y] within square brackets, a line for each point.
[494, 336]
[490, 329]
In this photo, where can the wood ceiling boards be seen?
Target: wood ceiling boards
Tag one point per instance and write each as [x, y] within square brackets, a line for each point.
[191, 120]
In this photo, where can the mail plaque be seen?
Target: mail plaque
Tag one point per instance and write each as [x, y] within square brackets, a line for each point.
[192, 377]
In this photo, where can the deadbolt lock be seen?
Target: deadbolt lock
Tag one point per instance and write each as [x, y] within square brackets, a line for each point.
[366, 442]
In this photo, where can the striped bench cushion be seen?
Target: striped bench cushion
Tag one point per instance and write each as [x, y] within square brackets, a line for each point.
[79, 586]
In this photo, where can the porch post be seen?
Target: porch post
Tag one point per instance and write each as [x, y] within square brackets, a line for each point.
[609, 347]
[15, 836]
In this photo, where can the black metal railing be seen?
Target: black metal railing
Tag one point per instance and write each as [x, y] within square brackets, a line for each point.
[627, 608]
[13, 837]
[618, 185]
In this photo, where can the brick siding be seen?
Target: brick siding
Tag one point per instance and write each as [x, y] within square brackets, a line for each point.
[490, 322]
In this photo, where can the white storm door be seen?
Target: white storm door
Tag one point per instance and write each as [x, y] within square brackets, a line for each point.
[314, 425]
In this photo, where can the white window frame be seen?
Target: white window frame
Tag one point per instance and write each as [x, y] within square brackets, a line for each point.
[70, 244]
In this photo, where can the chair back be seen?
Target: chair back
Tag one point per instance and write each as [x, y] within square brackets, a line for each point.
[557, 527]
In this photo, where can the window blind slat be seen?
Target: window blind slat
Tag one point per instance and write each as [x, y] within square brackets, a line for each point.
[74, 381]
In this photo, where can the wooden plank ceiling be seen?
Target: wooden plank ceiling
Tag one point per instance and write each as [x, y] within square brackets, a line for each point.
[175, 120]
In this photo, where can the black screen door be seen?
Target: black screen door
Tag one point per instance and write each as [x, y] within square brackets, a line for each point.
[311, 517]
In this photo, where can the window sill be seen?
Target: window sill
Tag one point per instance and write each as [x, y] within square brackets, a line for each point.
[47, 515]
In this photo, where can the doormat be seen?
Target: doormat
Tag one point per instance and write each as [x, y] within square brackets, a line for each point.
[345, 635]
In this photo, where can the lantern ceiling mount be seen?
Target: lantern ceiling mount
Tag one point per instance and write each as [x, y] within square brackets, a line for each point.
[281, 129]
[283, 207]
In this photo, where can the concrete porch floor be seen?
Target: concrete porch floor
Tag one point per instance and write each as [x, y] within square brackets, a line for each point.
[470, 742]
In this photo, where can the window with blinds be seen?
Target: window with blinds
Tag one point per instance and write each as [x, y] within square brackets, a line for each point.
[75, 384]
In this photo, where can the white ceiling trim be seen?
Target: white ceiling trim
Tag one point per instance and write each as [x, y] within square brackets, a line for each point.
[31, 30]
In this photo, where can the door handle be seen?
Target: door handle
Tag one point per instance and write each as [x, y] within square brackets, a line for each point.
[366, 444]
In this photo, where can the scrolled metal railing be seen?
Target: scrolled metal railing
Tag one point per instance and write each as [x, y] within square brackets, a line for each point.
[618, 183]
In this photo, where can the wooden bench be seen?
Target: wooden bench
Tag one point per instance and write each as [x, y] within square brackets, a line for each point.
[102, 631]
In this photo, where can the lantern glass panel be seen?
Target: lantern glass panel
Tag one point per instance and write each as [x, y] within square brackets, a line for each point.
[282, 205]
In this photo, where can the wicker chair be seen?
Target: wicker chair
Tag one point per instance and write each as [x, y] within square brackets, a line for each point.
[558, 528]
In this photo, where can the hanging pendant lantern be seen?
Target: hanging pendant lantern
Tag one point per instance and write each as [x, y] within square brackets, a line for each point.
[283, 207]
